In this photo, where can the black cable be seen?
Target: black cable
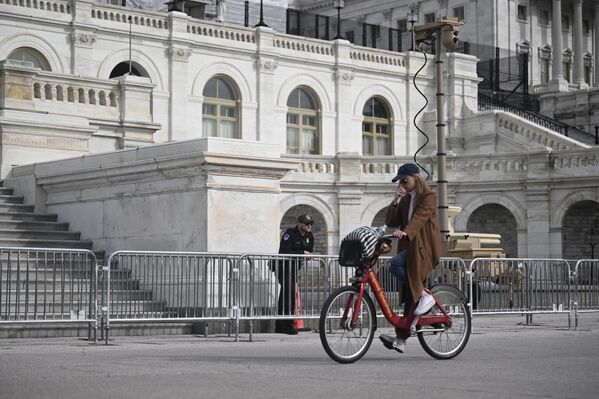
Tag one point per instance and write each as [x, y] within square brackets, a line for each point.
[428, 175]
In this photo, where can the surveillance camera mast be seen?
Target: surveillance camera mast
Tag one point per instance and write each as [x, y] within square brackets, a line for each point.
[447, 29]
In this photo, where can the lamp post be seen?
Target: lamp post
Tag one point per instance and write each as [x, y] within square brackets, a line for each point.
[412, 19]
[173, 6]
[590, 239]
[338, 4]
[261, 22]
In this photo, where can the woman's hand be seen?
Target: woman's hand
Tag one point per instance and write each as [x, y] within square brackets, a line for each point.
[400, 191]
[399, 234]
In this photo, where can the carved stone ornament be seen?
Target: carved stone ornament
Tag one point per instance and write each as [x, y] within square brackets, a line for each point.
[267, 65]
[83, 39]
[442, 3]
[344, 76]
[387, 13]
[179, 54]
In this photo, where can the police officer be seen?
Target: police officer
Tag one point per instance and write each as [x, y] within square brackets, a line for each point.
[299, 241]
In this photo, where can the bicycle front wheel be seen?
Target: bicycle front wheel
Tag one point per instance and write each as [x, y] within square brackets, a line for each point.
[343, 342]
[449, 343]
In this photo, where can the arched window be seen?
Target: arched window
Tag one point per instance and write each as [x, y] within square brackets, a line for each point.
[376, 128]
[220, 112]
[303, 133]
[31, 55]
[122, 68]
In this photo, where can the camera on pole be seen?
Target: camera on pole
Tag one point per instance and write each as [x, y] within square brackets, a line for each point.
[449, 36]
[447, 28]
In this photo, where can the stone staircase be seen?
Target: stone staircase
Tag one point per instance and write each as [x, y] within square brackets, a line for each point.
[35, 285]
[21, 227]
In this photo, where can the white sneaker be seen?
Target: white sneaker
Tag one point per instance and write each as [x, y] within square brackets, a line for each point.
[397, 344]
[425, 304]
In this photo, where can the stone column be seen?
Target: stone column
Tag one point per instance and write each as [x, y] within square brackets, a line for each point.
[349, 192]
[178, 61]
[344, 120]
[82, 38]
[596, 52]
[537, 190]
[557, 83]
[266, 60]
[577, 39]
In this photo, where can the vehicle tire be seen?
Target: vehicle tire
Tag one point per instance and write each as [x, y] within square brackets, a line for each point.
[449, 343]
[341, 342]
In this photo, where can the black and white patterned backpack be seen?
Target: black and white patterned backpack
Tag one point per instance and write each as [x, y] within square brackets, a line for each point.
[358, 246]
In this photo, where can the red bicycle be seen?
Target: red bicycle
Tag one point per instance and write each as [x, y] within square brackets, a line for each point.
[348, 319]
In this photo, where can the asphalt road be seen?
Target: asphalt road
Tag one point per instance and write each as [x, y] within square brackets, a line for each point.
[503, 359]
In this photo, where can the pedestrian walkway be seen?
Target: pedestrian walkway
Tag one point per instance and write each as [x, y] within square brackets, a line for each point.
[504, 359]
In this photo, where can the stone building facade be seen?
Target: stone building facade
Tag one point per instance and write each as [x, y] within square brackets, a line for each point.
[227, 133]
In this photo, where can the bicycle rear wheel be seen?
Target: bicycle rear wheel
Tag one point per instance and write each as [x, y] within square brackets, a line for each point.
[341, 342]
[449, 343]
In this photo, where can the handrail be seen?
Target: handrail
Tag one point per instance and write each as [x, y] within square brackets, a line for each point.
[485, 103]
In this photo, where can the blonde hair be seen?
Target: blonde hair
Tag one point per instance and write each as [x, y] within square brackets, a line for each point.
[421, 186]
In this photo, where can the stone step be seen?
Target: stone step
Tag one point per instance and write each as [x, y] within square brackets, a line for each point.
[66, 296]
[10, 199]
[6, 191]
[21, 208]
[47, 243]
[133, 308]
[40, 284]
[27, 216]
[43, 273]
[33, 225]
[39, 234]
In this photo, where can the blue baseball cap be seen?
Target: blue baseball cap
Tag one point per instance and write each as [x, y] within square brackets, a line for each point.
[405, 170]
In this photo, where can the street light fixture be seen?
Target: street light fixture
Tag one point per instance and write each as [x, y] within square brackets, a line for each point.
[261, 22]
[338, 4]
[412, 19]
[173, 6]
[590, 239]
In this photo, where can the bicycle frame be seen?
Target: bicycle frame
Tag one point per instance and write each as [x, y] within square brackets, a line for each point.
[408, 324]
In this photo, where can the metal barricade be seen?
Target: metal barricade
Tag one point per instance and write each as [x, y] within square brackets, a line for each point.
[270, 285]
[453, 271]
[586, 281]
[48, 286]
[521, 286]
[152, 286]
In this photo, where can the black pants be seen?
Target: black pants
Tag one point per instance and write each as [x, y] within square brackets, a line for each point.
[286, 276]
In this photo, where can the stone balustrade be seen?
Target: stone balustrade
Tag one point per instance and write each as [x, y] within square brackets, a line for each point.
[218, 31]
[319, 165]
[378, 56]
[29, 88]
[587, 161]
[62, 7]
[534, 132]
[495, 167]
[149, 19]
[305, 45]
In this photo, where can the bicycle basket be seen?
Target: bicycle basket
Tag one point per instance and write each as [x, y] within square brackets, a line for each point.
[350, 253]
[358, 246]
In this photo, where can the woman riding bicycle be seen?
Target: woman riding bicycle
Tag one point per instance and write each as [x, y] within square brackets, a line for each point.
[414, 212]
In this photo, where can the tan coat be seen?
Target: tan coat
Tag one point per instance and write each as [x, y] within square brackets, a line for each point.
[424, 238]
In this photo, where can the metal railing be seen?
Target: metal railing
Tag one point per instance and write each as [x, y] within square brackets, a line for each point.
[521, 286]
[144, 286]
[43, 285]
[48, 286]
[586, 287]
